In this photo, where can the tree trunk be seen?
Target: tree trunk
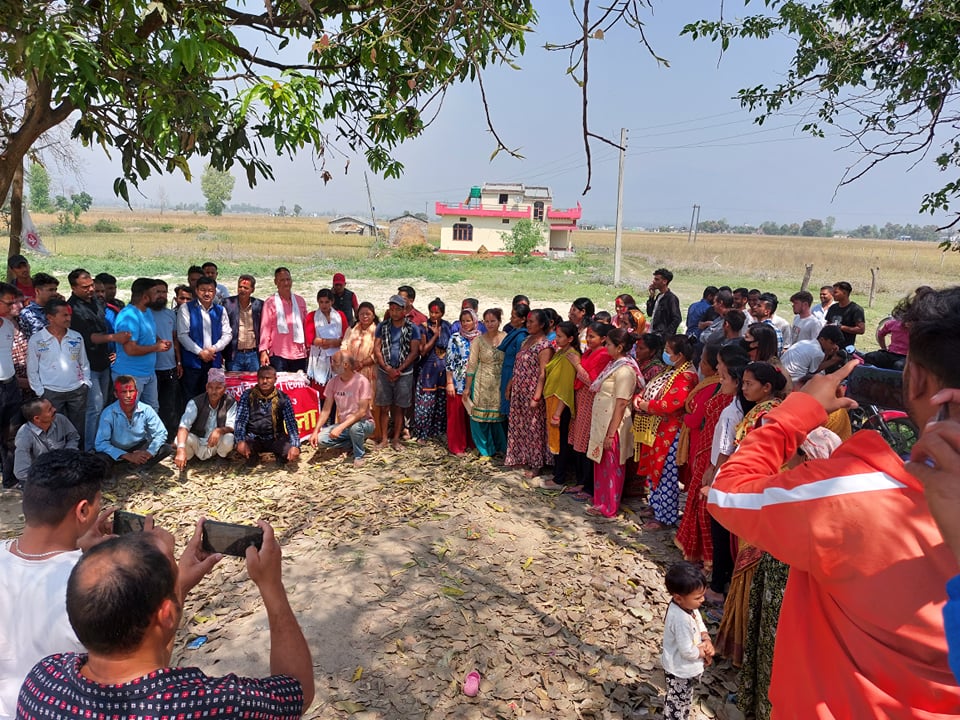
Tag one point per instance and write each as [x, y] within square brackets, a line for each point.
[874, 274]
[16, 216]
[38, 117]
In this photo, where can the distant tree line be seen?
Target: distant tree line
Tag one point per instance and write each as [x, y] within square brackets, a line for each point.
[815, 227]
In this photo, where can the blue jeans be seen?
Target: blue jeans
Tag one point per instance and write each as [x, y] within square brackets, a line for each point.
[244, 361]
[147, 388]
[354, 436]
[96, 400]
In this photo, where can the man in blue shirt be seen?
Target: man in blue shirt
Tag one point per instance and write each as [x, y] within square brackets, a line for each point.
[701, 311]
[131, 431]
[138, 356]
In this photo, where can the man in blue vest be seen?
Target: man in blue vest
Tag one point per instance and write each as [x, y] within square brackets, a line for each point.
[203, 330]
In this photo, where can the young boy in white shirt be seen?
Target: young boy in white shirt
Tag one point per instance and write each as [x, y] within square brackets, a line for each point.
[686, 642]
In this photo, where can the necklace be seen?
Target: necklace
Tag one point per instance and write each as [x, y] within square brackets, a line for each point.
[33, 556]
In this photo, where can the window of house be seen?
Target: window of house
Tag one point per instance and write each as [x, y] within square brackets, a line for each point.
[463, 219]
[503, 199]
[463, 231]
[538, 211]
[506, 221]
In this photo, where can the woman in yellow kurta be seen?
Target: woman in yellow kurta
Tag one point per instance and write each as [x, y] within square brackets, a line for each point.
[560, 375]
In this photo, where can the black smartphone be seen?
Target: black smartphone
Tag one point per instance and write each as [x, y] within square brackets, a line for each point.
[127, 522]
[870, 385]
[230, 539]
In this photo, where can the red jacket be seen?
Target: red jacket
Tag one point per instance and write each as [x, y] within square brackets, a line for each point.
[861, 629]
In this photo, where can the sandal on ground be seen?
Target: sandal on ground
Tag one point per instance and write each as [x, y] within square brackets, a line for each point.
[552, 485]
[593, 512]
[655, 525]
[471, 684]
[582, 497]
[573, 489]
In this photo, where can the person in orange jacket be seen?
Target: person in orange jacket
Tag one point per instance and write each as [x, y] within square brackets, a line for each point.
[861, 631]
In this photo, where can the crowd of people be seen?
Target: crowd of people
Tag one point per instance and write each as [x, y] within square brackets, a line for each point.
[791, 518]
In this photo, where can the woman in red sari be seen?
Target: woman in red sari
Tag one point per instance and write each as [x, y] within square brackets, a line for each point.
[693, 535]
[659, 412]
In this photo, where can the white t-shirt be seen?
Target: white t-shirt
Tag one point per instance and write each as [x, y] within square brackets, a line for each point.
[681, 635]
[802, 359]
[806, 328]
[7, 370]
[33, 605]
[725, 433]
[784, 327]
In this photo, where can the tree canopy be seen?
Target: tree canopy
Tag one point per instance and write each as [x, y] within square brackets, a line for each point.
[162, 81]
[883, 72]
[217, 187]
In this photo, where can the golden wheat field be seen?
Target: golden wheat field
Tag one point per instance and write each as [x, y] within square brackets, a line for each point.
[147, 242]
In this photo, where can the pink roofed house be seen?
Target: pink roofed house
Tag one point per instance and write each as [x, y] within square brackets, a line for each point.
[493, 209]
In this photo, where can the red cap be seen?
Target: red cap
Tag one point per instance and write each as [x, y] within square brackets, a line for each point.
[339, 279]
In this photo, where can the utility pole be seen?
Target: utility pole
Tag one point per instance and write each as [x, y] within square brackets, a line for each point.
[694, 223]
[618, 242]
[373, 219]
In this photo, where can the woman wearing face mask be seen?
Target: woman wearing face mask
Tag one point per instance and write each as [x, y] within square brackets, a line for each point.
[659, 413]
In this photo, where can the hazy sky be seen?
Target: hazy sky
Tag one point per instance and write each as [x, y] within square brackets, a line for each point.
[689, 141]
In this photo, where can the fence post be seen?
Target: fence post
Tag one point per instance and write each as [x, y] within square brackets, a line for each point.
[806, 277]
[874, 273]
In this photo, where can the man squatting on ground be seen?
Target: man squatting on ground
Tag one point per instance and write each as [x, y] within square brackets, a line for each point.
[206, 428]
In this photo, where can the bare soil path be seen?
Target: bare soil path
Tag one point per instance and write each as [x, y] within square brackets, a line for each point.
[419, 567]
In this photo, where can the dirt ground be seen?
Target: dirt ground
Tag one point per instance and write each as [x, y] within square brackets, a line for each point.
[419, 567]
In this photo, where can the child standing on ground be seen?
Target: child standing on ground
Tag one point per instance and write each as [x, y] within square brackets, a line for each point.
[686, 642]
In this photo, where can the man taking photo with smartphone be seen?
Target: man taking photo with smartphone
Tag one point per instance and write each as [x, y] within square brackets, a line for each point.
[125, 601]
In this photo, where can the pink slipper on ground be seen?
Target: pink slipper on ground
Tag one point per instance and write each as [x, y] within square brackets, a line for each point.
[471, 684]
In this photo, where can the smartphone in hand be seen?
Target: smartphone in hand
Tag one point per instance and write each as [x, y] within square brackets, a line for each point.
[127, 522]
[230, 539]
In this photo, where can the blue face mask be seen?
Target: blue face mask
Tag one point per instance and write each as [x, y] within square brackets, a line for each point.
[666, 358]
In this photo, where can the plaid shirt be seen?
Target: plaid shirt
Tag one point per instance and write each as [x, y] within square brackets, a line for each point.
[286, 410]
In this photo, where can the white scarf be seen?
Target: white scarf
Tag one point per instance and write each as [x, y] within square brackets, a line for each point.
[612, 367]
[282, 317]
[318, 365]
